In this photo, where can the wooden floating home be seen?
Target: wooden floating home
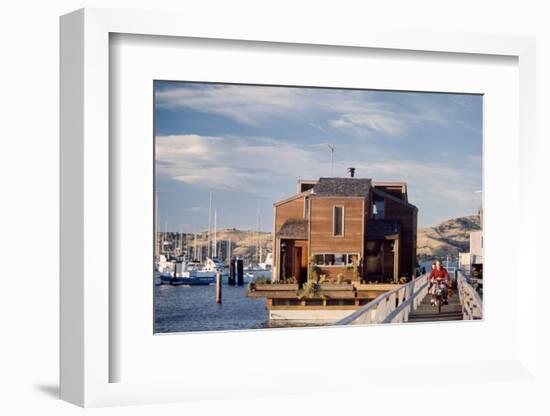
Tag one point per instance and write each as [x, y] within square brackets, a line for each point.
[356, 236]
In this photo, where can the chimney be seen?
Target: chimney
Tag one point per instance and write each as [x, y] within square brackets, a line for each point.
[351, 172]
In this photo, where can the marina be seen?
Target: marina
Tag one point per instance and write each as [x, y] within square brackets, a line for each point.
[341, 243]
[343, 247]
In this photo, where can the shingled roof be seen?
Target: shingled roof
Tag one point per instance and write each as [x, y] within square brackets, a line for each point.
[294, 228]
[342, 187]
[380, 229]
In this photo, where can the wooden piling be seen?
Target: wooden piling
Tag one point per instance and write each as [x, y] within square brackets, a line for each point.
[232, 279]
[239, 271]
[218, 287]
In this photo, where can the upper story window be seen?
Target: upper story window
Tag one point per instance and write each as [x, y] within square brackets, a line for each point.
[378, 208]
[338, 221]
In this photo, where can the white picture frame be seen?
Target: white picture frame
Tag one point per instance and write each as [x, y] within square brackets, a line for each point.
[87, 302]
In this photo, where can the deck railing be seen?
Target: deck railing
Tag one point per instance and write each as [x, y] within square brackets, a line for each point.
[472, 305]
[392, 306]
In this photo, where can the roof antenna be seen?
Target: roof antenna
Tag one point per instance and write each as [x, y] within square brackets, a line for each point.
[332, 150]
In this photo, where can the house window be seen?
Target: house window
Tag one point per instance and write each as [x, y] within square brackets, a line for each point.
[329, 259]
[338, 222]
[319, 259]
[335, 259]
[378, 209]
[340, 259]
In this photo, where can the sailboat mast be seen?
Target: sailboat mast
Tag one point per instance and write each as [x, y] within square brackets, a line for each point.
[229, 251]
[195, 248]
[157, 237]
[215, 233]
[258, 254]
[209, 226]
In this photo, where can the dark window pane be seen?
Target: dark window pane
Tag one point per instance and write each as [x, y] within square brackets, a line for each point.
[329, 259]
[338, 221]
[319, 260]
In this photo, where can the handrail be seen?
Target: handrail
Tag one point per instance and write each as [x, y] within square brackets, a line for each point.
[472, 304]
[392, 306]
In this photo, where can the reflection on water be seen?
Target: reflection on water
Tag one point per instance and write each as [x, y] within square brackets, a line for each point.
[193, 308]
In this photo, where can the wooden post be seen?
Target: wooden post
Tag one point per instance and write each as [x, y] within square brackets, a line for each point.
[396, 260]
[239, 270]
[218, 287]
[232, 280]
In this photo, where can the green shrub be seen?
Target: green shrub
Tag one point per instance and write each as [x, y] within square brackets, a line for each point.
[313, 270]
[290, 280]
[309, 289]
[262, 280]
[355, 267]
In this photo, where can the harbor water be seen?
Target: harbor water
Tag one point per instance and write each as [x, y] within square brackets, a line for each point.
[193, 308]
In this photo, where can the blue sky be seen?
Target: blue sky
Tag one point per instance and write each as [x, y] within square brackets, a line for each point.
[249, 144]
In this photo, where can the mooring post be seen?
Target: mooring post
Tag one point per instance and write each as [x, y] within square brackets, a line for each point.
[240, 272]
[232, 274]
[218, 287]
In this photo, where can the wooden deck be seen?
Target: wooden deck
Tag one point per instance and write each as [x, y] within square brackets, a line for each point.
[428, 313]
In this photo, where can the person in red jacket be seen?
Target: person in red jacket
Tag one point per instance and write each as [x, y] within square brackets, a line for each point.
[438, 274]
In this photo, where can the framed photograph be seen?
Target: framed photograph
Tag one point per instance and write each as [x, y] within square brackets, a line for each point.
[313, 210]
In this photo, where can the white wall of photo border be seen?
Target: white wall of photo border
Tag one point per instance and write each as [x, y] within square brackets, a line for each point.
[136, 61]
[30, 211]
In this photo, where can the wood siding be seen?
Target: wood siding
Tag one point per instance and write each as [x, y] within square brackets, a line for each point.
[407, 245]
[291, 209]
[321, 226]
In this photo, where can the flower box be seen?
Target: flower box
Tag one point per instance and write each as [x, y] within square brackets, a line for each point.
[337, 286]
[277, 286]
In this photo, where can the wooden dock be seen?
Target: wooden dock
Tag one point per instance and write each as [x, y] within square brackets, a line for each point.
[425, 312]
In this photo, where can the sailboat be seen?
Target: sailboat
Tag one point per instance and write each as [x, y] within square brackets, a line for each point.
[176, 273]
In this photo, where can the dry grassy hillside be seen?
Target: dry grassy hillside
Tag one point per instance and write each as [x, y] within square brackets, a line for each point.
[447, 238]
[243, 243]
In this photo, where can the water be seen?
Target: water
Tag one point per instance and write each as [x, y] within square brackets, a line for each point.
[193, 308]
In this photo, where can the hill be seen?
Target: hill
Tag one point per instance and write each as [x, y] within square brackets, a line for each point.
[446, 238]
[244, 243]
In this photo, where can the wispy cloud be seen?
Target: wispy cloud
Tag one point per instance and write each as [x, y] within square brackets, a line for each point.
[261, 165]
[359, 113]
[245, 105]
[233, 163]
[259, 140]
[363, 124]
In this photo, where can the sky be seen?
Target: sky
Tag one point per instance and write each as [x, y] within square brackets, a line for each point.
[249, 144]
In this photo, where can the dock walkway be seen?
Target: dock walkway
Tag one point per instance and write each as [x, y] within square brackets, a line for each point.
[425, 312]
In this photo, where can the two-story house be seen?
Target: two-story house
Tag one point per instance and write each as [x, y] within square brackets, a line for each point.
[333, 223]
